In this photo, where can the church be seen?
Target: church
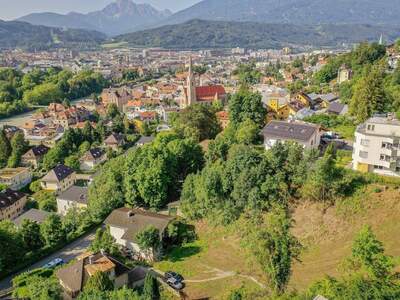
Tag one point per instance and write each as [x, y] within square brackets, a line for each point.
[200, 94]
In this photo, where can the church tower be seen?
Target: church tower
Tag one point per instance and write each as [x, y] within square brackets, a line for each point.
[191, 85]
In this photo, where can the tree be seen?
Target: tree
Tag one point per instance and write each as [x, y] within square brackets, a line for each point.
[99, 281]
[52, 230]
[46, 200]
[10, 246]
[43, 288]
[73, 162]
[149, 240]
[151, 289]
[248, 132]
[104, 241]
[273, 245]
[246, 105]
[18, 146]
[368, 253]
[31, 236]
[112, 111]
[5, 148]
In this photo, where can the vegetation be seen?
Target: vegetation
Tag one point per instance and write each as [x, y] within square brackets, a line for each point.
[100, 281]
[19, 91]
[151, 288]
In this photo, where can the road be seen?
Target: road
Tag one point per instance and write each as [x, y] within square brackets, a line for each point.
[67, 253]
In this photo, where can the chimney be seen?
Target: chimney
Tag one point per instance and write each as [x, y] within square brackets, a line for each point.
[130, 214]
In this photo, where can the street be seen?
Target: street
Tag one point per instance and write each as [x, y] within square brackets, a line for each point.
[67, 253]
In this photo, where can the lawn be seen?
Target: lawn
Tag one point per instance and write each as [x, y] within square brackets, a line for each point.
[215, 264]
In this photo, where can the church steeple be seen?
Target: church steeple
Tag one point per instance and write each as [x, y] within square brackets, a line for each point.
[191, 85]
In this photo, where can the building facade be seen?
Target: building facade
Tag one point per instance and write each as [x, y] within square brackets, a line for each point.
[377, 146]
[11, 204]
[15, 178]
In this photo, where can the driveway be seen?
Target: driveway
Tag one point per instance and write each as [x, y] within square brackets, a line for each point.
[67, 253]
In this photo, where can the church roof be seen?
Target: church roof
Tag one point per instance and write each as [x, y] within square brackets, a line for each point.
[209, 91]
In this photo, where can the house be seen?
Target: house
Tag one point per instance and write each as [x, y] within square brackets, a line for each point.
[114, 141]
[126, 223]
[376, 146]
[119, 97]
[15, 178]
[75, 197]
[34, 215]
[73, 277]
[59, 179]
[144, 140]
[11, 204]
[303, 98]
[337, 108]
[344, 74]
[305, 134]
[34, 156]
[92, 158]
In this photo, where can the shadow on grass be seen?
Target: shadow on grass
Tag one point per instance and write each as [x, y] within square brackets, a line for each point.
[177, 254]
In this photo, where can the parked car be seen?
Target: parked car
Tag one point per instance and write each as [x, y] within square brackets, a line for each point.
[54, 263]
[174, 280]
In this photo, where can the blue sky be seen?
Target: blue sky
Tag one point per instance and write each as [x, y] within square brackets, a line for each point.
[10, 9]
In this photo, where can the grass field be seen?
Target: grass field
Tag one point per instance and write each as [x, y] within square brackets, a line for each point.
[325, 232]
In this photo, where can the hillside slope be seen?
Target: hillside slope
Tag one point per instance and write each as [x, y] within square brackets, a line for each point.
[293, 11]
[15, 34]
[221, 34]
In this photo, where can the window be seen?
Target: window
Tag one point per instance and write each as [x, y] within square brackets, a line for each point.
[371, 127]
[385, 157]
[378, 167]
[386, 145]
[363, 154]
[364, 142]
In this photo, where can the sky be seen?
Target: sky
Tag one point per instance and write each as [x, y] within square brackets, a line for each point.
[11, 9]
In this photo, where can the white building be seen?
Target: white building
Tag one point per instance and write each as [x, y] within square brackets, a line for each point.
[59, 179]
[376, 146]
[15, 178]
[75, 197]
[308, 135]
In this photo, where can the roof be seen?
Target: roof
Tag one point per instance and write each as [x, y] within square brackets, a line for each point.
[76, 194]
[145, 140]
[114, 138]
[336, 107]
[209, 91]
[75, 275]
[59, 173]
[290, 130]
[135, 220]
[39, 150]
[34, 215]
[93, 154]
[9, 197]
[11, 172]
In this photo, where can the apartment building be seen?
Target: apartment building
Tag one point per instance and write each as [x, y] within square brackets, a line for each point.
[377, 146]
[11, 204]
[15, 178]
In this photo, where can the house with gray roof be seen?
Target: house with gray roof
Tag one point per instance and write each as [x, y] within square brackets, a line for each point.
[125, 224]
[34, 215]
[75, 197]
[306, 134]
[59, 179]
[92, 158]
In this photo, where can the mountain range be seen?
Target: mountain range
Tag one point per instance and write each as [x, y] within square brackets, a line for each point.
[119, 17]
[124, 16]
[200, 34]
[15, 34]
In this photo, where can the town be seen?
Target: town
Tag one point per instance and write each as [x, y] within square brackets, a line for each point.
[152, 173]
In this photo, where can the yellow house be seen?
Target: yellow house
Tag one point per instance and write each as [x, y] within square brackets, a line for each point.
[304, 99]
[277, 110]
[59, 179]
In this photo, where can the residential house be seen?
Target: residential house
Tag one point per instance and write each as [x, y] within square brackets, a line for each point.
[126, 223]
[11, 204]
[92, 158]
[144, 140]
[34, 156]
[119, 97]
[337, 108]
[305, 134]
[34, 215]
[344, 74]
[76, 197]
[376, 146]
[114, 141]
[73, 277]
[15, 178]
[59, 179]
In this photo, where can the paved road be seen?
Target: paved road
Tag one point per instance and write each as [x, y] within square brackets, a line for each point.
[67, 253]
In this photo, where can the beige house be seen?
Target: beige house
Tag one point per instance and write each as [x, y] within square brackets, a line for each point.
[75, 197]
[11, 204]
[59, 179]
[34, 156]
[73, 277]
[15, 178]
[114, 141]
[376, 146]
[305, 134]
[92, 159]
[126, 223]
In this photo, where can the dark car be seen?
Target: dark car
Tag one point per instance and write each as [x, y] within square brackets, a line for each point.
[174, 280]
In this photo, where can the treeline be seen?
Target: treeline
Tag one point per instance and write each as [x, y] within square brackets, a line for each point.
[374, 88]
[18, 90]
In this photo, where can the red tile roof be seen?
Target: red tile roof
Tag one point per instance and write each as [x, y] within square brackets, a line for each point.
[209, 91]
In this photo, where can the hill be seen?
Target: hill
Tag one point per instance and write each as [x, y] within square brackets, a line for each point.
[220, 34]
[293, 11]
[119, 17]
[23, 35]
